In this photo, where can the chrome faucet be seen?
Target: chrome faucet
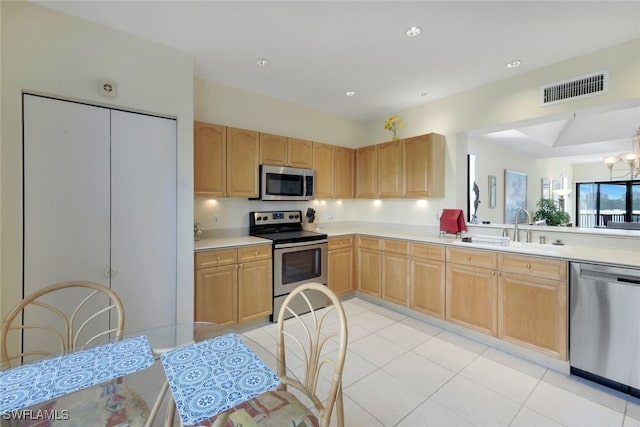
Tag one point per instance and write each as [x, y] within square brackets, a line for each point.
[516, 237]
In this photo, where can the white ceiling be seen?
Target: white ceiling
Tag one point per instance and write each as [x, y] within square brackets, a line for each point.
[318, 50]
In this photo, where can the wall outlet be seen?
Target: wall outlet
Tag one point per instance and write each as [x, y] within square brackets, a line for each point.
[216, 220]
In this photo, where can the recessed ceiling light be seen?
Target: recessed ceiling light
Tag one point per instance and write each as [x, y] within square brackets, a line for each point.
[514, 64]
[413, 31]
[350, 93]
[263, 62]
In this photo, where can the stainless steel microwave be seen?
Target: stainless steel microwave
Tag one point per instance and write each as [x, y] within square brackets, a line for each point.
[284, 183]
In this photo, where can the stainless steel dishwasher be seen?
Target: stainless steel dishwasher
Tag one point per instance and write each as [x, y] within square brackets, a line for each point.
[604, 335]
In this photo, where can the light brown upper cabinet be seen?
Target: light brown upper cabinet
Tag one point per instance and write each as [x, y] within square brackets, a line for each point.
[410, 168]
[278, 150]
[225, 161]
[323, 165]
[242, 163]
[343, 160]
[367, 172]
[390, 169]
[209, 160]
[423, 159]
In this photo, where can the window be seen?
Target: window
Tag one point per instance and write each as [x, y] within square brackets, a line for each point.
[601, 202]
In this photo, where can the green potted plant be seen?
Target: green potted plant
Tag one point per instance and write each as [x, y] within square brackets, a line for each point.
[549, 212]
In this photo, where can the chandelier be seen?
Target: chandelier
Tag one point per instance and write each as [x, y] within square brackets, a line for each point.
[631, 158]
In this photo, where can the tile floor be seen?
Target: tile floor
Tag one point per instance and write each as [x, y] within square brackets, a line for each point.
[404, 372]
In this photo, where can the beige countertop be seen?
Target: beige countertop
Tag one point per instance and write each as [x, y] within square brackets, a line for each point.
[628, 258]
[208, 243]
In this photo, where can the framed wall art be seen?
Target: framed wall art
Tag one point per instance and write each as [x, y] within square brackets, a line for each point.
[545, 188]
[492, 191]
[515, 194]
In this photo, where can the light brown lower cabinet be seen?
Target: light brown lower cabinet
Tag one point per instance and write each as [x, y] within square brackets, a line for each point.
[233, 285]
[340, 265]
[395, 271]
[427, 279]
[532, 307]
[216, 295]
[471, 297]
[369, 266]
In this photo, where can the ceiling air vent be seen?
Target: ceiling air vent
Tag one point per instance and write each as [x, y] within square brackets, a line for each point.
[578, 87]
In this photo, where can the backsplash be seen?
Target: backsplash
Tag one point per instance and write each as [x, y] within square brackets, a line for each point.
[233, 213]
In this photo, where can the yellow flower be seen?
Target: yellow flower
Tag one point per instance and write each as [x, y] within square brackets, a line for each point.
[393, 123]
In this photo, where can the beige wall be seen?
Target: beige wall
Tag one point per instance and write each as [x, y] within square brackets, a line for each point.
[47, 52]
[216, 103]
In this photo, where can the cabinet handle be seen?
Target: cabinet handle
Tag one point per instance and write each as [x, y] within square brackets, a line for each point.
[218, 258]
[468, 257]
[426, 251]
[493, 273]
[528, 265]
[239, 265]
[256, 253]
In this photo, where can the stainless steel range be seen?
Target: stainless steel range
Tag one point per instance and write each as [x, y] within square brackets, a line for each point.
[298, 256]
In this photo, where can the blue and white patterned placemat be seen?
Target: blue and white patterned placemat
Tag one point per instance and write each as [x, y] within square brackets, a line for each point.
[209, 377]
[38, 382]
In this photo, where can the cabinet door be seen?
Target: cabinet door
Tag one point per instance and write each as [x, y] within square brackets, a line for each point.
[242, 163]
[143, 218]
[254, 290]
[209, 160]
[323, 166]
[340, 279]
[367, 172]
[390, 169]
[215, 295]
[273, 150]
[471, 297]
[427, 287]
[395, 278]
[343, 168]
[369, 272]
[423, 160]
[533, 312]
[300, 153]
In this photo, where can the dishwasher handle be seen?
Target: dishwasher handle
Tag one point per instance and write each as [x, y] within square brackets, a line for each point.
[629, 281]
[610, 274]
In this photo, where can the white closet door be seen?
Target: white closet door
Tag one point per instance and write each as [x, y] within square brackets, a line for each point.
[66, 194]
[143, 217]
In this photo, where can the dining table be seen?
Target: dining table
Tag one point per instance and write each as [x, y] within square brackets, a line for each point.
[189, 371]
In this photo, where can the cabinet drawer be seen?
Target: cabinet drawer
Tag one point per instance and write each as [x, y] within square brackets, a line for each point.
[369, 242]
[472, 257]
[534, 266]
[254, 253]
[340, 242]
[426, 251]
[396, 246]
[216, 257]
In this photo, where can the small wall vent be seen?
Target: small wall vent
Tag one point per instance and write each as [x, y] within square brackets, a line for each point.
[578, 87]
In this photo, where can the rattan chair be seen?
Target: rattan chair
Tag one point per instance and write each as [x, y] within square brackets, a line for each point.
[67, 317]
[319, 339]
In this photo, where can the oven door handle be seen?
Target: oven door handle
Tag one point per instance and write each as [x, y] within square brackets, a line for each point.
[298, 244]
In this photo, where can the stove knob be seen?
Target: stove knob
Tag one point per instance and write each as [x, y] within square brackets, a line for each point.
[297, 216]
[258, 218]
[264, 217]
[290, 216]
